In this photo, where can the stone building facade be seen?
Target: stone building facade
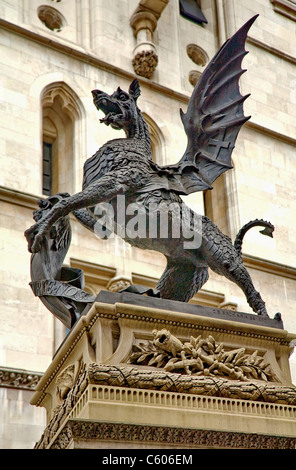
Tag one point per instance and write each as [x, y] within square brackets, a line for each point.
[53, 53]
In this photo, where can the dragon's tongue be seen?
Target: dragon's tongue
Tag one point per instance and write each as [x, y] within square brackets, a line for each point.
[106, 119]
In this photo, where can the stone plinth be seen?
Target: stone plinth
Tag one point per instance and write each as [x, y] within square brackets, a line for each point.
[140, 372]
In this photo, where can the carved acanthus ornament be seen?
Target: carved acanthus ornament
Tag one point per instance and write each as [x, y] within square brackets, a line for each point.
[145, 63]
[144, 22]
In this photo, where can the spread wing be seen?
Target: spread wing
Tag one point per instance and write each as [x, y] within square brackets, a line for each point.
[213, 118]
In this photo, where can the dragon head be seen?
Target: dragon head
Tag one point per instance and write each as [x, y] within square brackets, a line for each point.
[120, 108]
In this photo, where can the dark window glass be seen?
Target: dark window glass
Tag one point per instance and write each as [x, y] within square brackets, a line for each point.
[190, 10]
[47, 169]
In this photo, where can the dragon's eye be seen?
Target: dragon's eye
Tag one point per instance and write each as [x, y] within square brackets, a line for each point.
[123, 97]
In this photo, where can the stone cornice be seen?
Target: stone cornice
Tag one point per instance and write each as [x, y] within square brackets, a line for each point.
[270, 132]
[270, 267]
[17, 378]
[98, 385]
[129, 316]
[94, 273]
[121, 386]
[20, 198]
[86, 57]
[285, 7]
[272, 50]
[146, 436]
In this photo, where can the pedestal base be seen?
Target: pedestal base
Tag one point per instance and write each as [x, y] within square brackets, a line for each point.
[133, 375]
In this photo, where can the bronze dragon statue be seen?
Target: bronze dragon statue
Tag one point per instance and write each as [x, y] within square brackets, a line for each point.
[124, 167]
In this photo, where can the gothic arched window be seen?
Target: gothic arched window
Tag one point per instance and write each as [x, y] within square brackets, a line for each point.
[60, 114]
[157, 140]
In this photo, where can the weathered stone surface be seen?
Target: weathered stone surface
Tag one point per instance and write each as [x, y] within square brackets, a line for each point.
[172, 394]
[194, 309]
[91, 382]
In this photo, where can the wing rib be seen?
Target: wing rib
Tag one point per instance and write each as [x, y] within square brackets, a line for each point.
[214, 115]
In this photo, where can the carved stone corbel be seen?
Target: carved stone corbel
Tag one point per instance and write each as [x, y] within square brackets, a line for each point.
[118, 283]
[144, 22]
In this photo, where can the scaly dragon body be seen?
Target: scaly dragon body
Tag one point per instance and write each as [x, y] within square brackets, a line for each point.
[124, 167]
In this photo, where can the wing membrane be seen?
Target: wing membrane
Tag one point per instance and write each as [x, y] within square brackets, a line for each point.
[214, 117]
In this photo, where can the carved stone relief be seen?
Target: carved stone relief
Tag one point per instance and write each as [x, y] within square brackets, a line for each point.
[200, 58]
[51, 18]
[145, 63]
[160, 380]
[200, 356]
[144, 22]
[139, 434]
[147, 378]
[14, 378]
[194, 77]
[197, 54]
[116, 284]
[65, 381]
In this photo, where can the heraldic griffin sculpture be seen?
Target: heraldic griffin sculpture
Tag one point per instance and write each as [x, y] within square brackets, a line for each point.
[125, 167]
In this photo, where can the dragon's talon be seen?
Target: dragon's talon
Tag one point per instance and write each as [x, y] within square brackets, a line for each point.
[34, 236]
[37, 244]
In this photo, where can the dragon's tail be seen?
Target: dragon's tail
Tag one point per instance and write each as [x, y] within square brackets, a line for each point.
[268, 230]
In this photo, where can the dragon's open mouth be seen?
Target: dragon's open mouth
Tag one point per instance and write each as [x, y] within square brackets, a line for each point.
[104, 102]
[111, 109]
[111, 118]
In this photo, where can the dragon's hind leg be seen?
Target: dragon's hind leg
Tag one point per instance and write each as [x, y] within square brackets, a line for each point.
[181, 280]
[240, 276]
[226, 260]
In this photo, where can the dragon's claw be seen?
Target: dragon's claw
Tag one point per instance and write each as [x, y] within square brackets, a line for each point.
[34, 236]
[37, 244]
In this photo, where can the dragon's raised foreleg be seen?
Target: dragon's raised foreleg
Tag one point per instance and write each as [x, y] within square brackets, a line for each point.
[84, 217]
[102, 190]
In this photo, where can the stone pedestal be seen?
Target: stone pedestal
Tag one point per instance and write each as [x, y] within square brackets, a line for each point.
[141, 372]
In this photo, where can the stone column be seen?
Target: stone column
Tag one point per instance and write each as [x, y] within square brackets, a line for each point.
[144, 22]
